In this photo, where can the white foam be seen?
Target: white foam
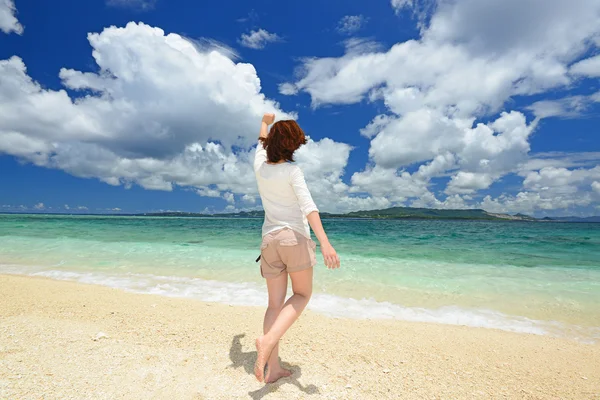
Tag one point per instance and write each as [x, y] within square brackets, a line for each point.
[251, 294]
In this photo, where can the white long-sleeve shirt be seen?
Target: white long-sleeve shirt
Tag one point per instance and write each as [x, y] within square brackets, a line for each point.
[285, 197]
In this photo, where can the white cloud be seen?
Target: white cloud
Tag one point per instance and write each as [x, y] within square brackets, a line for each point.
[323, 164]
[588, 67]
[229, 197]
[596, 186]
[482, 153]
[259, 39]
[398, 5]
[206, 45]
[39, 206]
[470, 60]
[533, 202]
[560, 180]
[473, 56]
[454, 202]
[67, 207]
[158, 103]
[163, 110]
[548, 189]
[206, 192]
[561, 31]
[249, 199]
[389, 183]
[568, 107]
[143, 5]
[350, 24]
[8, 20]
[376, 126]
[288, 89]
[469, 182]
[152, 120]
[356, 45]
[82, 208]
[557, 159]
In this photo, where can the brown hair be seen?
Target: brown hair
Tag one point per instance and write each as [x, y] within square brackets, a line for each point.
[283, 140]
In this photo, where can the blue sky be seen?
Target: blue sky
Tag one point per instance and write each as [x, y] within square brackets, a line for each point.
[136, 106]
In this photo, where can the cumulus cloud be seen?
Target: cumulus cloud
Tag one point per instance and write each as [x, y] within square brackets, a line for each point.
[249, 199]
[560, 180]
[350, 24]
[259, 39]
[470, 61]
[162, 110]
[39, 206]
[229, 197]
[151, 115]
[323, 164]
[468, 182]
[8, 19]
[159, 112]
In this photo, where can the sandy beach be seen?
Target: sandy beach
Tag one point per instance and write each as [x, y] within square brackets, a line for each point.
[64, 340]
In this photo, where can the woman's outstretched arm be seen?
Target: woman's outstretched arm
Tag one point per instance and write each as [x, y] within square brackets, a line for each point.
[261, 155]
[267, 120]
[332, 260]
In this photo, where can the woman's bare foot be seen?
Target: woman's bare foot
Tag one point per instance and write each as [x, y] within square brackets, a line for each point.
[263, 352]
[274, 374]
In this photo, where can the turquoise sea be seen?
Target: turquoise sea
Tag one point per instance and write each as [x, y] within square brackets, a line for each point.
[541, 278]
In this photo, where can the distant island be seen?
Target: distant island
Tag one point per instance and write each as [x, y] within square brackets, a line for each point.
[405, 213]
[388, 213]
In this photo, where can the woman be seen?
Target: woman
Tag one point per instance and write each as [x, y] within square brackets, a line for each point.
[287, 248]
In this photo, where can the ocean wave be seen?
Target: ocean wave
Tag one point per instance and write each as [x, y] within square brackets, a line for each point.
[251, 294]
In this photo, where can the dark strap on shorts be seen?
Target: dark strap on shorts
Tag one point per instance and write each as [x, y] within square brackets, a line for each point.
[258, 259]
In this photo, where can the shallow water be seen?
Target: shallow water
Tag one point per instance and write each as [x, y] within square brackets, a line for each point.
[532, 277]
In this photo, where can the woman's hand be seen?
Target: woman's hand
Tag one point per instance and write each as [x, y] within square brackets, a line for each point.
[332, 260]
[268, 119]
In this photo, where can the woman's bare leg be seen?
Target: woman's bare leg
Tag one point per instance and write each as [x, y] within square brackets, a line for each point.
[277, 288]
[265, 345]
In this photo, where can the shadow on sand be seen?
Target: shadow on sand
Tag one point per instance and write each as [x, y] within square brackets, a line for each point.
[247, 360]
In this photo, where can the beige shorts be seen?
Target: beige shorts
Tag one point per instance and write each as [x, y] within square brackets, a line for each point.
[286, 250]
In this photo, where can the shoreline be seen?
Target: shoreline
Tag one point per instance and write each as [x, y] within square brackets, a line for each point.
[330, 305]
[341, 305]
[165, 347]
